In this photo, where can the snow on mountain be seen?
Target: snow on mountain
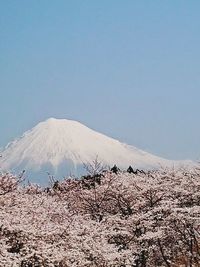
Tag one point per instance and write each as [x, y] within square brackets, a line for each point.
[61, 147]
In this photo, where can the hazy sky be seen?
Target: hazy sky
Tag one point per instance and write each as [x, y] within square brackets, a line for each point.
[129, 69]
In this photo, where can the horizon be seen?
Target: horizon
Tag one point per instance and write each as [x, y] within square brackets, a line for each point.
[128, 70]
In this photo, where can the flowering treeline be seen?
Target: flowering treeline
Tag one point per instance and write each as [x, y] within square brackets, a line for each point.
[108, 219]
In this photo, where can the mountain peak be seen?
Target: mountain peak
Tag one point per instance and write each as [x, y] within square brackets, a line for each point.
[57, 122]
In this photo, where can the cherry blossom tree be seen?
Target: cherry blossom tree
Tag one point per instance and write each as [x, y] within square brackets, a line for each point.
[133, 219]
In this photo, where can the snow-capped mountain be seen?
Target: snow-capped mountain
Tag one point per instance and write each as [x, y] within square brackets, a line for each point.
[61, 147]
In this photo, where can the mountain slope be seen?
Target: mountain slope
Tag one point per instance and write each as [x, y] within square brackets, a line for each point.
[62, 146]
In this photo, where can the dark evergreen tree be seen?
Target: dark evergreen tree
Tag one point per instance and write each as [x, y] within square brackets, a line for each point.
[130, 169]
[115, 169]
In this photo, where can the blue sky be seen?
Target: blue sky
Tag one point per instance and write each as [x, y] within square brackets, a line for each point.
[129, 69]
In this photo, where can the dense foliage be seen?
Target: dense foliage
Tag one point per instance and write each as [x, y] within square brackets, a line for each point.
[110, 219]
